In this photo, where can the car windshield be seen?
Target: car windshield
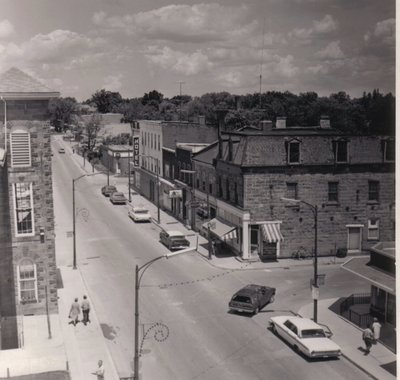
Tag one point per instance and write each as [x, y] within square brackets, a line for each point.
[118, 195]
[111, 188]
[140, 211]
[176, 238]
[243, 299]
[313, 333]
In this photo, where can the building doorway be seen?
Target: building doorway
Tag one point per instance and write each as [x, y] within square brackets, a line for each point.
[354, 239]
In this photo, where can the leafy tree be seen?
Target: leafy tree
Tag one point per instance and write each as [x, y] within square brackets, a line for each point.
[62, 112]
[152, 96]
[105, 101]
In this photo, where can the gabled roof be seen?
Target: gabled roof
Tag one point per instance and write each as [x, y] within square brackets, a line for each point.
[15, 84]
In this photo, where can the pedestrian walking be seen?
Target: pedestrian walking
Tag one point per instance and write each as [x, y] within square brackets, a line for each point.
[74, 312]
[100, 371]
[85, 310]
[368, 338]
[376, 329]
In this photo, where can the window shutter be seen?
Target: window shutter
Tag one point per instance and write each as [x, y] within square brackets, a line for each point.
[20, 149]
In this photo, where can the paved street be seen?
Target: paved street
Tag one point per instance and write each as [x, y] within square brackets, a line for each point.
[196, 337]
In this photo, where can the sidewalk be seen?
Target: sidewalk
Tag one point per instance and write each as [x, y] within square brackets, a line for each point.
[348, 337]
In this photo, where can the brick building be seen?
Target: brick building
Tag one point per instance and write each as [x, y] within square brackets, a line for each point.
[27, 247]
[159, 140]
[349, 178]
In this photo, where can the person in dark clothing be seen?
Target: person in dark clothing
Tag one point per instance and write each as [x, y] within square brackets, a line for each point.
[85, 310]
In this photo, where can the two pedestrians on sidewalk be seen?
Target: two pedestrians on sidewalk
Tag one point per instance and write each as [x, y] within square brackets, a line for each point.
[371, 335]
[75, 311]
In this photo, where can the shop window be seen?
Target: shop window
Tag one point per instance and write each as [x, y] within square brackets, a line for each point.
[333, 191]
[20, 148]
[294, 152]
[373, 191]
[373, 229]
[27, 281]
[23, 208]
[220, 187]
[291, 190]
[158, 138]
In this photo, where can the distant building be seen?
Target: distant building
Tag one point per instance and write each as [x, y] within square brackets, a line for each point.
[349, 178]
[27, 246]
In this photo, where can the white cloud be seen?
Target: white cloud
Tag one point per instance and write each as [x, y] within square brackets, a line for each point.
[326, 25]
[385, 31]
[332, 51]
[181, 23]
[113, 82]
[319, 27]
[6, 28]
[178, 61]
[285, 67]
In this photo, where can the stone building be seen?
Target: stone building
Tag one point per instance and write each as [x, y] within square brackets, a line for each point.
[250, 175]
[27, 246]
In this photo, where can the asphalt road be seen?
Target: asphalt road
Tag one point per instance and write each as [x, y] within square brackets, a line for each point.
[187, 329]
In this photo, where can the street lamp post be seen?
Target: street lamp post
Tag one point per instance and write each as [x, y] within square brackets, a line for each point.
[129, 177]
[314, 209]
[73, 214]
[138, 279]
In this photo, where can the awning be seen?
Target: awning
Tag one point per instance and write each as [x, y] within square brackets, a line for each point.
[271, 232]
[221, 229]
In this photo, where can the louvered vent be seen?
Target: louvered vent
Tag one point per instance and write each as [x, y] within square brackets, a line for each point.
[20, 149]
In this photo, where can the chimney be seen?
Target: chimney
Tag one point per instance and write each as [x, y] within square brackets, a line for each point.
[280, 122]
[230, 149]
[266, 125]
[325, 122]
[221, 113]
[202, 119]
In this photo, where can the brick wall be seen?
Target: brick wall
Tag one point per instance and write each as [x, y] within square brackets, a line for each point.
[25, 110]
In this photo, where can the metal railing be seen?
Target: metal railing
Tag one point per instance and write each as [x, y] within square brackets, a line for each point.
[359, 319]
[354, 299]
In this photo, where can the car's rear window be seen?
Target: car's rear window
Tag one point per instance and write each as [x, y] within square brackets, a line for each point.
[243, 299]
[313, 333]
[176, 238]
[141, 211]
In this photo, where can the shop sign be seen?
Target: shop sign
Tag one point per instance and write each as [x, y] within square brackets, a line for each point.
[136, 150]
[175, 194]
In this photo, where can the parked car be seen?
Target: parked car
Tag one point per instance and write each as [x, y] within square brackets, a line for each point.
[252, 298]
[61, 150]
[139, 214]
[118, 198]
[108, 190]
[305, 336]
[174, 240]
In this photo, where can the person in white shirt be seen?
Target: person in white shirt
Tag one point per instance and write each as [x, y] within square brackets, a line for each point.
[376, 328]
[100, 371]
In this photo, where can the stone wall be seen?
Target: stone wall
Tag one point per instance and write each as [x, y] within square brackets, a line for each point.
[263, 193]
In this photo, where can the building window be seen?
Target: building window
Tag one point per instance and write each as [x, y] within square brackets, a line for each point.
[389, 150]
[158, 137]
[210, 188]
[341, 151]
[333, 191]
[23, 207]
[27, 281]
[373, 229]
[373, 191]
[220, 187]
[236, 193]
[228, 193]
[20, 142]
[291, 190]
[294, 152]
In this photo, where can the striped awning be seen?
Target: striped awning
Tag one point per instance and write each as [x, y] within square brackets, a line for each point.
[271, 232]
[221, 229]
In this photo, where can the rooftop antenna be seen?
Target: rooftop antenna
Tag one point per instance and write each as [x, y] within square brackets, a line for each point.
[180, 99]
[262, 57]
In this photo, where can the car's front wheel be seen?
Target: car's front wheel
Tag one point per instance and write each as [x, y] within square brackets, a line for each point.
[273, 328]
[256, 310]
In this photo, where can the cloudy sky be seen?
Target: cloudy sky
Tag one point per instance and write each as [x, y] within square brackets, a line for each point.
[135, 46]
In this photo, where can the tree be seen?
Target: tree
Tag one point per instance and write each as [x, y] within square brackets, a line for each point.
[62, 112]
[89, 128]
[105, 101]
[152, 96]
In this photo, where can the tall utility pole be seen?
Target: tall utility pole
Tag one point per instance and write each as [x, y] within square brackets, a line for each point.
[180, 99]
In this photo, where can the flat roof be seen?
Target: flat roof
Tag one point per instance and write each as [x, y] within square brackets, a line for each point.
[358, 266]
[386, 248]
